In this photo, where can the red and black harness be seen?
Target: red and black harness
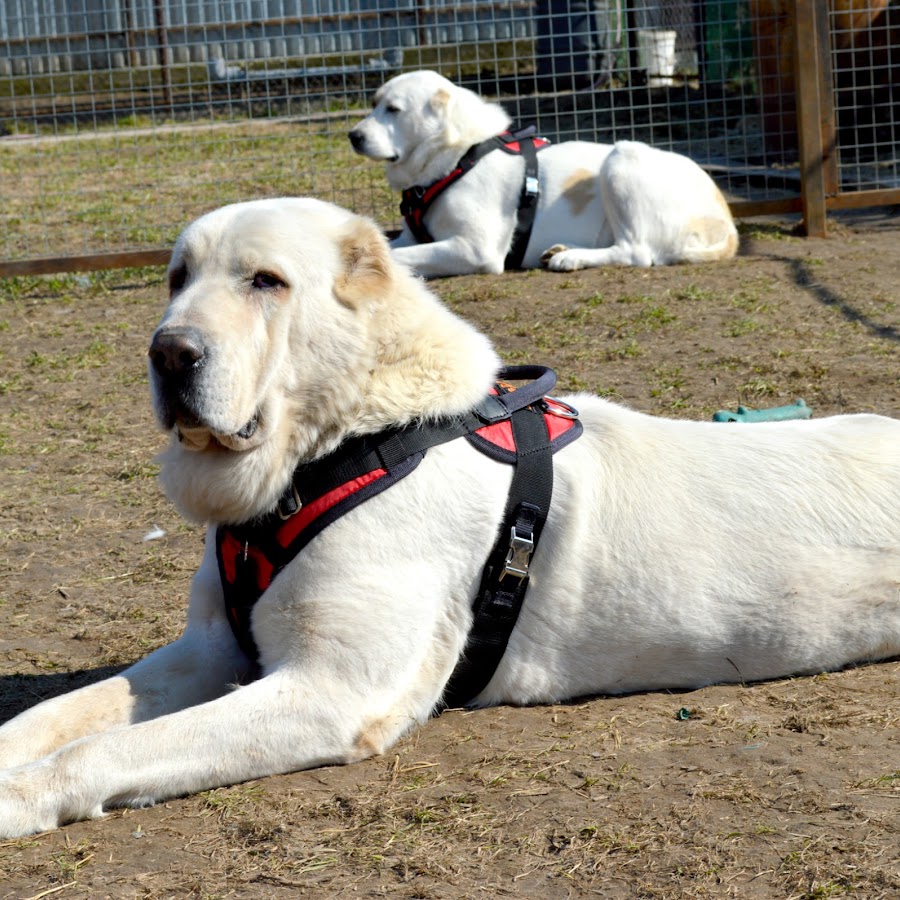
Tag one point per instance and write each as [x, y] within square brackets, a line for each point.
[417, 200]
[520, 426]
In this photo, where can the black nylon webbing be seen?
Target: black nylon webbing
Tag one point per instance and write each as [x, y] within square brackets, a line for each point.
[363, 454]
[499, 599]
[500, 595]
[528, 202]
[417, 200]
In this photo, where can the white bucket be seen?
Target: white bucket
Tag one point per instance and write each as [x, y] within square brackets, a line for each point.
[656, 54]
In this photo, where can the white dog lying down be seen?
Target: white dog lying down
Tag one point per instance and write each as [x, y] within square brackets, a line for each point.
[625, 204]
[675, 553]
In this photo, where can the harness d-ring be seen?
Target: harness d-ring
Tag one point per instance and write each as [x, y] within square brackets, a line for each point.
[559, 408]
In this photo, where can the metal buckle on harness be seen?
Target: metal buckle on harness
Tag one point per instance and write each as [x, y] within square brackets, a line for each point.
[289, 507]
[532, 186]
[519, 556]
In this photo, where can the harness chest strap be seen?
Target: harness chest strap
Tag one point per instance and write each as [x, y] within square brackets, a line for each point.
[520, 426]
[417, 200]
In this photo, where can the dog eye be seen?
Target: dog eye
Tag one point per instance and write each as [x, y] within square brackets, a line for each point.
[177, 278]
[391, 108]
[266, 281]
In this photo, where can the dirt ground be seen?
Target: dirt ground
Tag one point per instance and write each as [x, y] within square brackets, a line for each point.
[788, 789]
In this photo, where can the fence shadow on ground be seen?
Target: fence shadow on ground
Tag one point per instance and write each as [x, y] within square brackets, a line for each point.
[804, 278]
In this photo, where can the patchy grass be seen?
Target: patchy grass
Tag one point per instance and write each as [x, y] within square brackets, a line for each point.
[780, 791]
[124, 191]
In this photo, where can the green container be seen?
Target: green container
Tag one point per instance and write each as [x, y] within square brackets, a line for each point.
[728, 41]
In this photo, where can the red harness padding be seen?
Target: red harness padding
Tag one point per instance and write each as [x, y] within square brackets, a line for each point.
[250, 556]
[233, 554]
[417, 200]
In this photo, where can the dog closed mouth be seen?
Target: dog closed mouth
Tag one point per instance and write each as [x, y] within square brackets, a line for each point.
[196, 436]
[249, 429]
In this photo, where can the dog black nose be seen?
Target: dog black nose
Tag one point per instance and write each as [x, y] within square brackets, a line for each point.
[175, 351]
[356, 138]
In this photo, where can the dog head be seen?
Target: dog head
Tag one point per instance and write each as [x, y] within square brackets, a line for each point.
[418, 121]
[288, 328]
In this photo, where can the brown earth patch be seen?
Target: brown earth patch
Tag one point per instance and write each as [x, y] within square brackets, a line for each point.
[788, 789]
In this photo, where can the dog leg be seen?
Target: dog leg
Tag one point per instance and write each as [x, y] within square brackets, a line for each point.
[454, 256]
[199, 666]
[283, 722]
[560, 258]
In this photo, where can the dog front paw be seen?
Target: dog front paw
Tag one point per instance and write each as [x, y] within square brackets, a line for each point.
[559, 258]
[29, 804]
[550, 252]
[21, 803]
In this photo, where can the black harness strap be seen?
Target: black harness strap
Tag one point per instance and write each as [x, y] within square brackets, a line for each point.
[528, 202]
[417, 200]
[506, 575]
[520, 426]
[250, 556]
[388, 448]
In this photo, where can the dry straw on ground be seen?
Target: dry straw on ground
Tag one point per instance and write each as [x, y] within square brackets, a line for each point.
[780, 790]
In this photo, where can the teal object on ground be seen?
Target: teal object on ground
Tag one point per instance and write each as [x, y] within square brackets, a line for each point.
[798, 410]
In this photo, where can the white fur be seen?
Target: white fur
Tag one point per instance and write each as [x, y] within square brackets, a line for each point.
[620, 204]
[676, 553]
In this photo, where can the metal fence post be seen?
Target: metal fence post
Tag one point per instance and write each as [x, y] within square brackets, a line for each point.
[164, 56]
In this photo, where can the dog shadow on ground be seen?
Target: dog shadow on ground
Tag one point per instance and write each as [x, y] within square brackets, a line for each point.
[20, 692]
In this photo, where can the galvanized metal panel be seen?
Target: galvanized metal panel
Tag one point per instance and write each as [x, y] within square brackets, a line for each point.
[92, 34]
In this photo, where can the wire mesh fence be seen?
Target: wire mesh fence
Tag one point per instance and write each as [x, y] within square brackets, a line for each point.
[122, 119]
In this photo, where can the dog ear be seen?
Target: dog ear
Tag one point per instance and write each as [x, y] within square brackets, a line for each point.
[466, 117]
[439, 100]
[445, 106]
[366, 263]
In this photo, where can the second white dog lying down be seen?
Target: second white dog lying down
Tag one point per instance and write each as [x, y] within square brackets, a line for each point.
[596, 204]
[674, 554]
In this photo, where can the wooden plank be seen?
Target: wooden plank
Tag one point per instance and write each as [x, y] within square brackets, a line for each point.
[855, 200]
[136, 258]
[89, 263]
[865, 199]
[746, 208]
[807, 70]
